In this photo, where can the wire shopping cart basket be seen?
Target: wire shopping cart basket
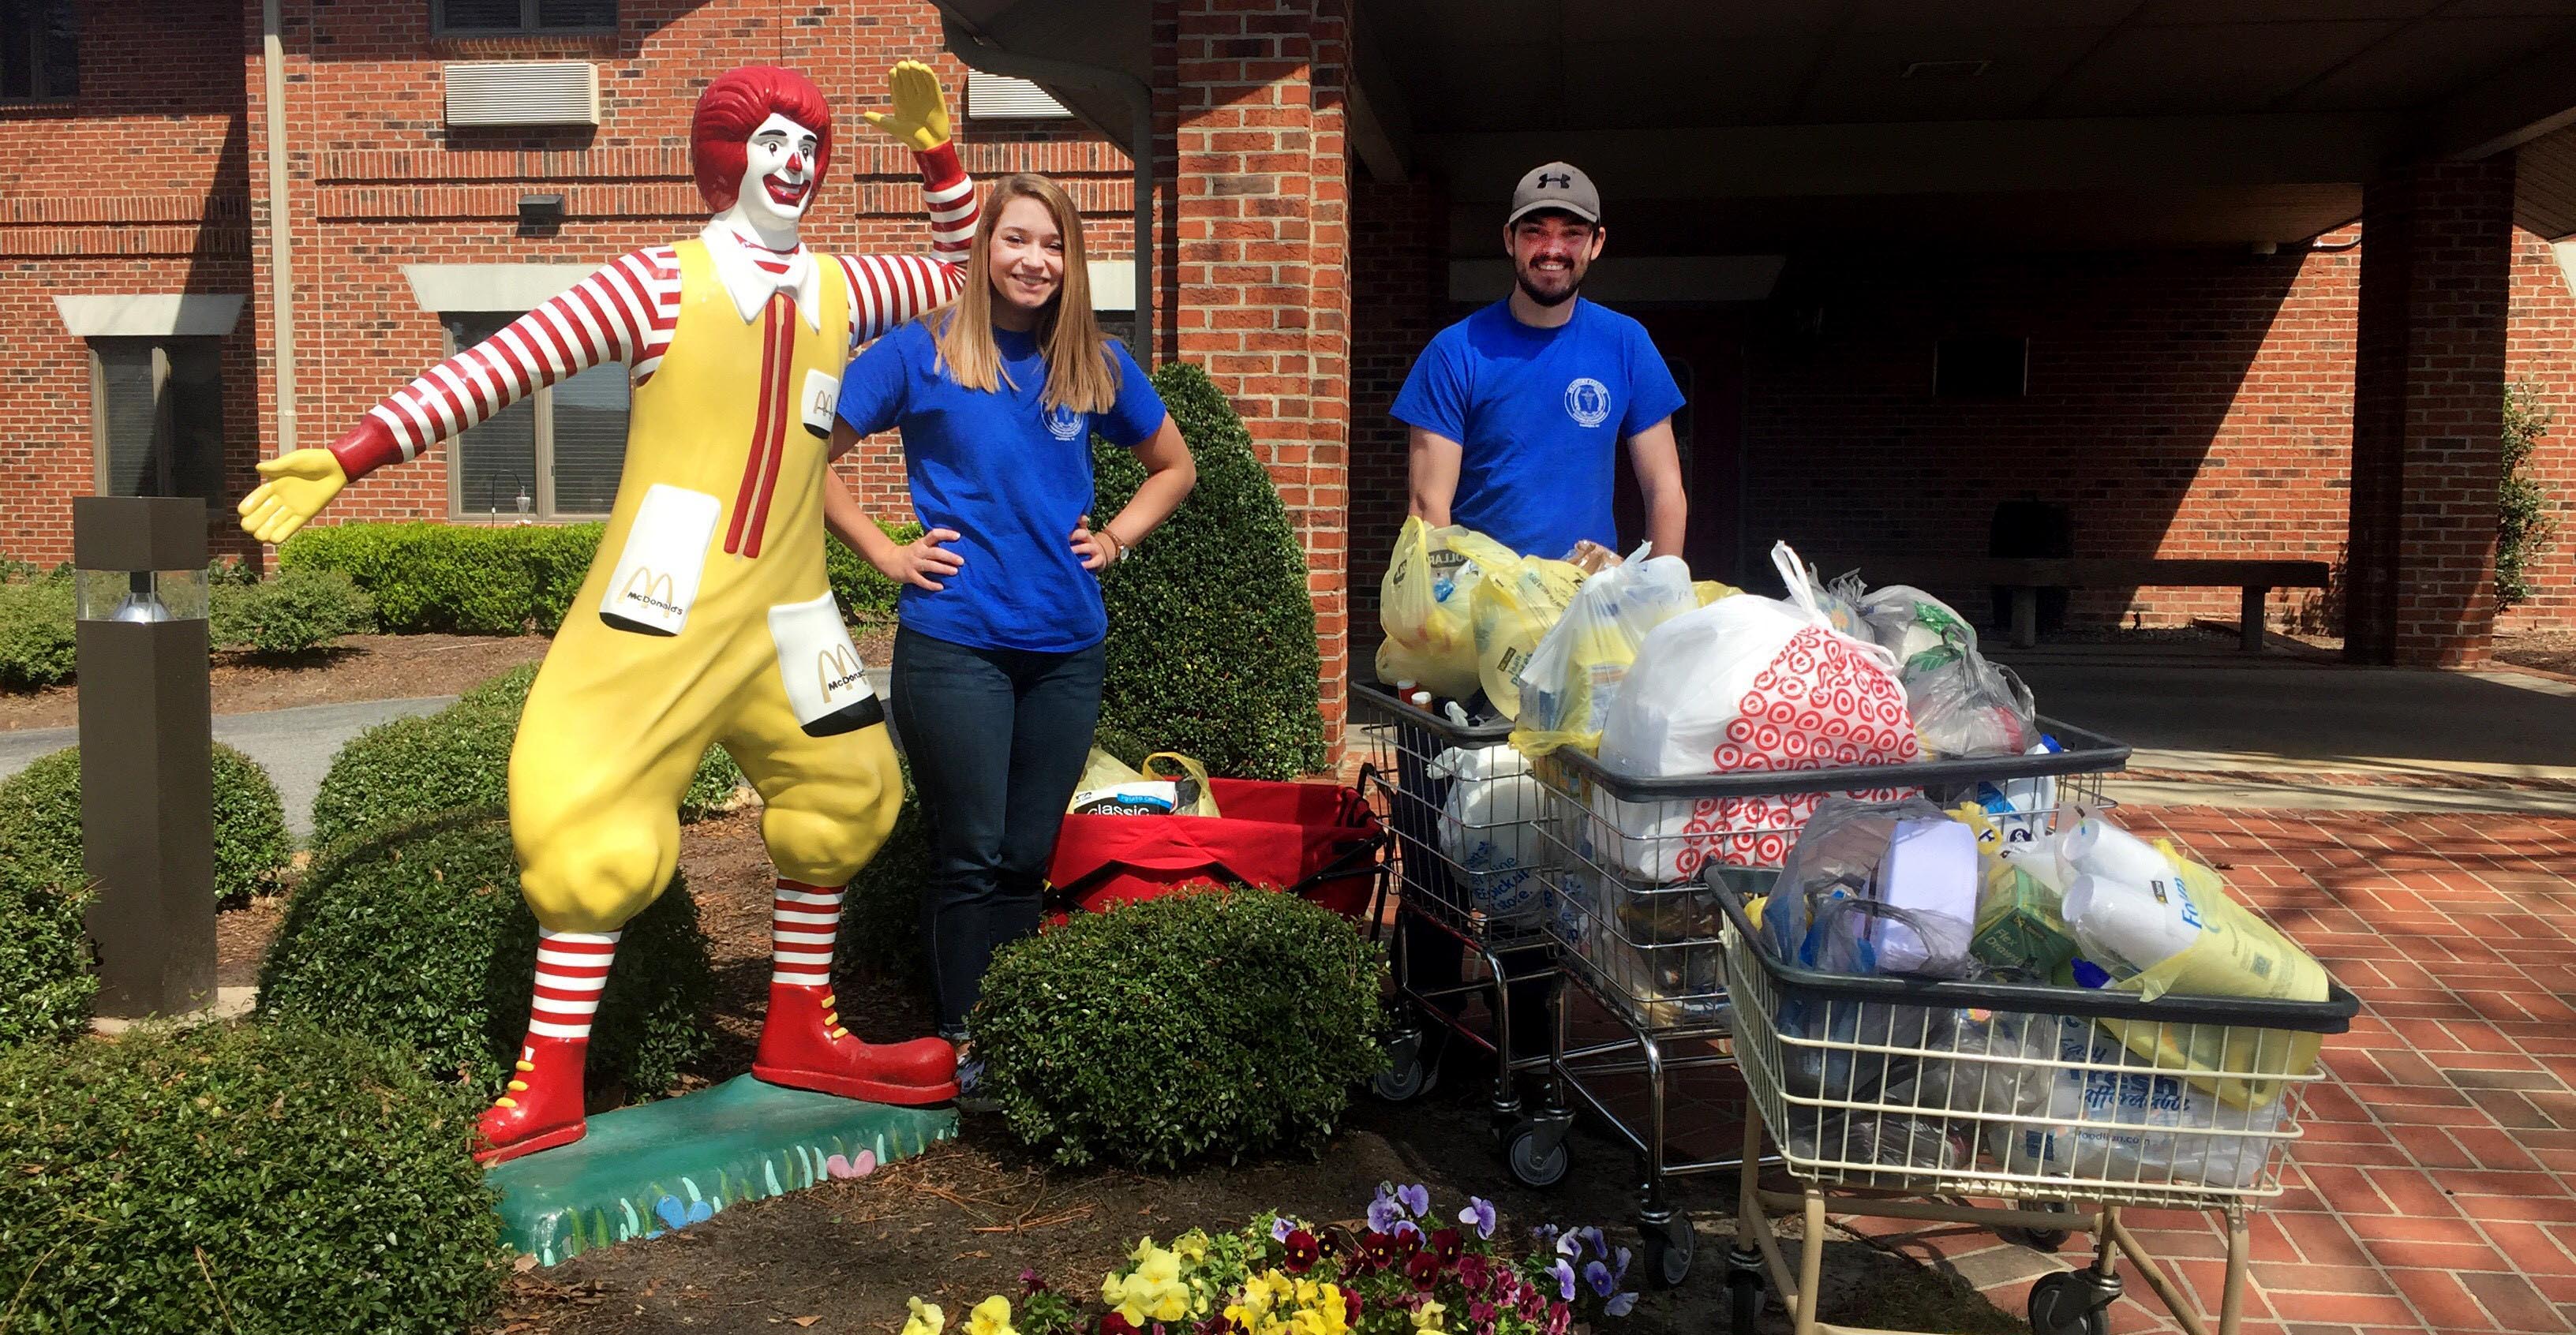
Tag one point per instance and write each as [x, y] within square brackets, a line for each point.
[1471, 877]
[1634, 909]
[1917, 1097]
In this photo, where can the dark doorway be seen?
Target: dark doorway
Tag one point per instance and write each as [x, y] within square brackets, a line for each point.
[1704, 346]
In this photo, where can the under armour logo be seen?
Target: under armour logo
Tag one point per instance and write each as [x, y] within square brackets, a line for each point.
[1556, 179]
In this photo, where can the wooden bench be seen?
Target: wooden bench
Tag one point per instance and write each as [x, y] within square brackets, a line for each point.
[2026, 576]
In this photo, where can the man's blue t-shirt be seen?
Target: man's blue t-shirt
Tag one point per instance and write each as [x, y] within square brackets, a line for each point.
[1009, 475]
[1538, 415]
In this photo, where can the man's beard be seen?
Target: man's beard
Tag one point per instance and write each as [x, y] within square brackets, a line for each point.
[1574, 284]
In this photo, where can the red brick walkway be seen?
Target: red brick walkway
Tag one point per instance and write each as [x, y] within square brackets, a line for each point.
[2432, 1192]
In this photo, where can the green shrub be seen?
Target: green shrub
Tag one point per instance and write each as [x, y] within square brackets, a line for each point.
[459, 757]
[40, 822]
[1211, 631]
[417, 934]
[2525, 521]
[502, 579]
[36, 644]
[46, 984]
[266, 1180]
[1210, 1022]
[299, 611]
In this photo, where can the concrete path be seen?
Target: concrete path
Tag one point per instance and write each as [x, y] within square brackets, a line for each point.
[295, 746]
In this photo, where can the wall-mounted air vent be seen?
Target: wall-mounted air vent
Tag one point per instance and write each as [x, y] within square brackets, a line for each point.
[999, 97]
[523, 92]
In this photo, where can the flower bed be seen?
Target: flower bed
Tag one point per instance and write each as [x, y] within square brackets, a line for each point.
[1406, 1270]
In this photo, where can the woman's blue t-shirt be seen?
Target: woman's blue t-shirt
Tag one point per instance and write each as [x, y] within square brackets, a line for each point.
[1009, 475]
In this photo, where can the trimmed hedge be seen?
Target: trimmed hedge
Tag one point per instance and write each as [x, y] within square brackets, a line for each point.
[46, 983]
[880, 930]
[1211, 1022]
[36, 644]
[299, 611]
[260, 1179]
[459, 757]
[417, 935]
[1211, 629]
[40, 823]
[504, 579]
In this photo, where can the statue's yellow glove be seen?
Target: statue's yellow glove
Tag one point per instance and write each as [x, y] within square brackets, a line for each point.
[919, 120]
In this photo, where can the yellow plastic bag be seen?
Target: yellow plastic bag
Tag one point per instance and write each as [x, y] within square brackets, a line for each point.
[1110, 788]
[1424, 606]
[1512, 611]
[1575, 673]
[2236, 955]
[1710, 591]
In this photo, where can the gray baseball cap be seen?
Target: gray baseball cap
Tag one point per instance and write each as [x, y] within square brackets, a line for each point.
[1556, 185]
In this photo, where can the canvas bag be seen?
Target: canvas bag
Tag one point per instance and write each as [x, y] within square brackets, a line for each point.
[1742, 684]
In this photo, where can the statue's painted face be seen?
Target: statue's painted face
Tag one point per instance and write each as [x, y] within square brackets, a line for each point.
[778, 170]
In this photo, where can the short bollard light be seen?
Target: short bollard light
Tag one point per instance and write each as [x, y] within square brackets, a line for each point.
[147, 751]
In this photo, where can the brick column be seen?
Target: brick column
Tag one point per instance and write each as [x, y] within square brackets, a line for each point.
[1258, 277]
[2428, 393]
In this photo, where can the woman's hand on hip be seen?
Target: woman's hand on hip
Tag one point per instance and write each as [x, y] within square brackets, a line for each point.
[922, 562]
[1098, 547]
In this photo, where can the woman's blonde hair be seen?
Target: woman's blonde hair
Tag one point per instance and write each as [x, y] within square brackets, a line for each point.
[1080, 375]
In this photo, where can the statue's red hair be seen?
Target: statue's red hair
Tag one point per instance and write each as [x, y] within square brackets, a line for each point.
[734, 106]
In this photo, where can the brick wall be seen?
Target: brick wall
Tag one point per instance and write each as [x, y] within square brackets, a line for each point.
[1258, 258]
[2541, 351]
[1398, 285]
[139, 186]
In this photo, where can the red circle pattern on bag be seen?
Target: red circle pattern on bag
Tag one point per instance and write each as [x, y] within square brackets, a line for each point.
[1818, 704]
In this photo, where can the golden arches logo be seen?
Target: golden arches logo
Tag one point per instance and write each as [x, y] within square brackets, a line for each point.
[650, 589]
[835, 667]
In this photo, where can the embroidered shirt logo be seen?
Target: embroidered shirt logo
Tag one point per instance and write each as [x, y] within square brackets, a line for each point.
[1064, 424]
[1587, 401]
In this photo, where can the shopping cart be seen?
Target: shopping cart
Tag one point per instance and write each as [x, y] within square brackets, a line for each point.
[2090, 1099]
[1633, 908]
[1471, 877]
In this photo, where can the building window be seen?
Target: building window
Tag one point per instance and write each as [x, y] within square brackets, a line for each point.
[39, 51]
[474, 18]
[555, 454]
[157, 417]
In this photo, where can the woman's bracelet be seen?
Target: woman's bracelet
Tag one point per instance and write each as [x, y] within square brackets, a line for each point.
[1118, 542]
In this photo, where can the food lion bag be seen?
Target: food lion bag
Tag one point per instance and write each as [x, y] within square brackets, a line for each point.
[1745, 684]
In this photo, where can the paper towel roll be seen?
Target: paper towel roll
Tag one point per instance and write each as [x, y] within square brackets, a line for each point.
[2099, 848]
[2140, 926]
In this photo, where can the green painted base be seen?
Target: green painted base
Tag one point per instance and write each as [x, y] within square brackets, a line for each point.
[645, 1170]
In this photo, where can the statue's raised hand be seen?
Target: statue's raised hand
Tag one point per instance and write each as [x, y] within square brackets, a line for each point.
[919, 120]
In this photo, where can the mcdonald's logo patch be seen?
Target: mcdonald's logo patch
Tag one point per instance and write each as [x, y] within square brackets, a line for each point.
[835, 667]
[651, 590]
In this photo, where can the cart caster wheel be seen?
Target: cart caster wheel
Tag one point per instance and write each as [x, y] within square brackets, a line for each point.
[1670, 1244]
[1537, 1156]
[1406, 1076]
[2058, 1306]
[1743, 1304]
[2038, 1239]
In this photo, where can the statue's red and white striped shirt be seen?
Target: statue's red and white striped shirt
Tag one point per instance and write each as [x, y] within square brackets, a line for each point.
[625, 312]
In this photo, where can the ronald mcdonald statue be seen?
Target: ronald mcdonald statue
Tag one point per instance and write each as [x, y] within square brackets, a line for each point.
[706, 617]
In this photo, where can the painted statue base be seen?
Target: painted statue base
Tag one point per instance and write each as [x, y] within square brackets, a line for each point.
[646, 1170]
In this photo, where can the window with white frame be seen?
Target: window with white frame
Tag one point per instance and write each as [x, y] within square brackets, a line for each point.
[39, 51]
[555, 454]
[472, 18]
[157, 417]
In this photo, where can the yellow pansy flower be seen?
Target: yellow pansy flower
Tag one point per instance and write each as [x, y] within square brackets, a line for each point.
[1427, 1318]
[990, 1317]
[926, 1319]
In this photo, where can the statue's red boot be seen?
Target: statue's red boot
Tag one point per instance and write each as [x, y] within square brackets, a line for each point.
[803, 1046]
[542, 1107]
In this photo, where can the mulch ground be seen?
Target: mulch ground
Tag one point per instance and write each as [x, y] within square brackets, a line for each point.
[2547, 650]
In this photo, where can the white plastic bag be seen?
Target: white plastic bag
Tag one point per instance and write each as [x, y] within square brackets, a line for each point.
[1567, 687]
[1489, 827]
[1745, 683]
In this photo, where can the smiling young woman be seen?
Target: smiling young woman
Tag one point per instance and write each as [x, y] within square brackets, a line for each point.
[998, 656]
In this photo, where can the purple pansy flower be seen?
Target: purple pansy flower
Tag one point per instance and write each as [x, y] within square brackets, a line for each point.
[1622, 1304]
[1416, 1199]
[1281, 1227]
[1599, 1277]
[1479, 1215]
[1564, 1272]
[1383, 1213]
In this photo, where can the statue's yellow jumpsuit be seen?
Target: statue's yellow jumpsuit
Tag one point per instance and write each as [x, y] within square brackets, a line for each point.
[618, 720]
